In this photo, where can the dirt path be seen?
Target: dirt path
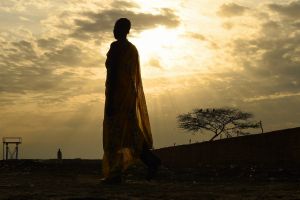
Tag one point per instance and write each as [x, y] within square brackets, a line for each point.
[82, 181]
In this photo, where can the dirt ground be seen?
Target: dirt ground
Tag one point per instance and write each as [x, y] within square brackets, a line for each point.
[80, 179]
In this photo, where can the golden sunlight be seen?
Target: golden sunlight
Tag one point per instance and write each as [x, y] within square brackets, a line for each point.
[164, 52]
[155, 43]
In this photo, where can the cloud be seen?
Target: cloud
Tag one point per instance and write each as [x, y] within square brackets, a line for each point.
[231, 10]
[275, 50]
[124, 4]
[272, 96]
[92, 24]
[43, 66]
[268, 59]
[296, 24]
[291, 10]
[24, 51]
[22, 5]
[24, 19]
[46, 67]
[69, 55]
[154, 62]
[203, 38]
[48, 43]
[228, 25]
[9, 5]
[196, 36]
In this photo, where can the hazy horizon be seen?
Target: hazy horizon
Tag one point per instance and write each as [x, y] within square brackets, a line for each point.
[193, 54]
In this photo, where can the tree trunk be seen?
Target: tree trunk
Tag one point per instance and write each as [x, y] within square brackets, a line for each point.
[216, 135]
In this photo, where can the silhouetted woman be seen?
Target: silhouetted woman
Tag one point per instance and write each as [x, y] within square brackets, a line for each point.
[126, 127]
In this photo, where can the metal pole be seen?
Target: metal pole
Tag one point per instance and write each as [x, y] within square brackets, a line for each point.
[6, 151]
[17, 151]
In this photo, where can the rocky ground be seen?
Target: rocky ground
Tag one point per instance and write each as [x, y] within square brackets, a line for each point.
[80, 179]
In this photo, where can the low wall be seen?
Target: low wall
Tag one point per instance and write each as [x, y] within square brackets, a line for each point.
[277, 147]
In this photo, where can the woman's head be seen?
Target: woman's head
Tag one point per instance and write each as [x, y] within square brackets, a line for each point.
[121, 29]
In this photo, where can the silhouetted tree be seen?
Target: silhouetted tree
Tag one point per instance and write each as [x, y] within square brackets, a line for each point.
[227, 121]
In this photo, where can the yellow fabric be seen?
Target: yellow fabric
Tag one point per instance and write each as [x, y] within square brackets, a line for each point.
[126, 125]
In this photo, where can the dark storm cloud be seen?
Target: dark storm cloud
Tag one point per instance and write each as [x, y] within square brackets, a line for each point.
[291, 10]
[231, 10]
[104, 21]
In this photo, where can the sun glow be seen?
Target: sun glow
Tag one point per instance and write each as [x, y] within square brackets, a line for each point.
[155, 43]
[171, 52]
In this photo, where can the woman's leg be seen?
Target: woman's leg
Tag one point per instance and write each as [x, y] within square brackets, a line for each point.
[151, 161]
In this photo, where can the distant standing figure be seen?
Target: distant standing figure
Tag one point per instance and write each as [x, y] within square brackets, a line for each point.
[126, 127]
[59, 155]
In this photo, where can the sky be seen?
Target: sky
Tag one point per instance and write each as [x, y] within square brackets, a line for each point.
[193, 53]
